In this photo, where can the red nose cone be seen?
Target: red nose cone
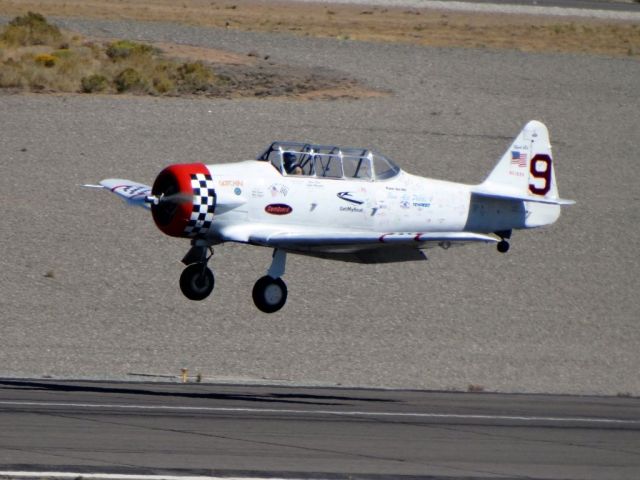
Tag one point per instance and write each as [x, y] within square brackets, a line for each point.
[186, 200]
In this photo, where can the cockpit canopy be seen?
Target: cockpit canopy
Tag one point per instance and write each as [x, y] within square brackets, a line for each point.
[329, 161]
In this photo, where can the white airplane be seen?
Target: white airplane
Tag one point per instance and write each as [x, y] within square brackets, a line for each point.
[341, 203]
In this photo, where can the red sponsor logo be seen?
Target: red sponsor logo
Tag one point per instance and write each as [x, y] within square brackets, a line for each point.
[278, 209]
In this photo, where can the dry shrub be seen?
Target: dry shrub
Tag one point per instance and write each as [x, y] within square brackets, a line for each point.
[45, 60]
[31, 29]
[64, 53]
[125, 49]
[11, 75]
[130, 80]
[94, 83]
[193, 77]
[41, 58]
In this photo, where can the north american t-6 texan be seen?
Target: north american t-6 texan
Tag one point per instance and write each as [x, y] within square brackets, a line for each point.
[341, 203]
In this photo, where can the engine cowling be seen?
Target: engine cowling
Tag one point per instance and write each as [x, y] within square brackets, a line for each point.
[186, 200]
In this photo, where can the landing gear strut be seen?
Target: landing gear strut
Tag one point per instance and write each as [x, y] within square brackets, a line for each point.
[270, 291]
[197, 281]
[503, 245]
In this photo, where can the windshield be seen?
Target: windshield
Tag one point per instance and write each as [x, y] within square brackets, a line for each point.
[328, 161]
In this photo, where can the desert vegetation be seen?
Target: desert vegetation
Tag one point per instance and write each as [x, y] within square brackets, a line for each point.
[430, 27]
[37, 56]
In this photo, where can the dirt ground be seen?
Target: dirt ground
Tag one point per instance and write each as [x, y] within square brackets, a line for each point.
[357, 22]
[233, 75]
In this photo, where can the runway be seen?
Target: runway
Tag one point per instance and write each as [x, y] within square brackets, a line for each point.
[296, 432]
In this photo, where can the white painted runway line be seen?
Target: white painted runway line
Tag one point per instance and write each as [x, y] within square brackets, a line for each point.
[116, 476]
[346, 413]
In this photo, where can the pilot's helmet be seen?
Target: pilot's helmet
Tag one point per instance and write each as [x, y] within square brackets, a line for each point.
[289, 158]
[290, 162]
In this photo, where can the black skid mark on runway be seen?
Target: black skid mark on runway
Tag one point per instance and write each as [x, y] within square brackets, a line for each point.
[39, 451]
[288, 398]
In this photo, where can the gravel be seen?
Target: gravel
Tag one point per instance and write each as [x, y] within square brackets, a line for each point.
[89, 287]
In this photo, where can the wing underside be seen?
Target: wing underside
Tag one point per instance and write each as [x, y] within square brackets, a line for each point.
[352, 246]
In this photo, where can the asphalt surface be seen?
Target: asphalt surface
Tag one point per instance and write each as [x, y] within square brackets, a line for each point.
[215, 430]
[89, 287]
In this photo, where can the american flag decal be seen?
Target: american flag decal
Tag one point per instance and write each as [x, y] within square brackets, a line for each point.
[518, 158]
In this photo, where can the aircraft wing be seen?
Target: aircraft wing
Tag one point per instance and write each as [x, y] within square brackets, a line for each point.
[133, 193]
[358, 246]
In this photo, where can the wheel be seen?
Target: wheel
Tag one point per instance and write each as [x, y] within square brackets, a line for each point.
[269, 294]
[503, 246]
[196, 281]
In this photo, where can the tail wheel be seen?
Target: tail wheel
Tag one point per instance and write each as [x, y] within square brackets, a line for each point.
[503, 246]
[196, 281]
[269, 294]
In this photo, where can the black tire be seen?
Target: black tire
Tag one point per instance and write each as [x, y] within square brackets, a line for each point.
[196, 281]
[503, 246]
[269, 294]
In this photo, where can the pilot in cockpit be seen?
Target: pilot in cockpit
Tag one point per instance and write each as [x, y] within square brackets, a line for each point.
[291, 165]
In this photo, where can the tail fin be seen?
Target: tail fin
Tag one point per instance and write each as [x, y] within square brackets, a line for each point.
[525, 172]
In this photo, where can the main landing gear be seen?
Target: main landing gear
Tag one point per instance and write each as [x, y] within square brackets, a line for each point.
[270, 292]
[197, 281]
[503, 245]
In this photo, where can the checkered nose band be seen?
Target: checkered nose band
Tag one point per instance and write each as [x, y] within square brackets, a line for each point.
[204, 205]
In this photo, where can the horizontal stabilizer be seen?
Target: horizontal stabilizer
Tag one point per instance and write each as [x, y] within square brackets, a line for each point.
[507, 195]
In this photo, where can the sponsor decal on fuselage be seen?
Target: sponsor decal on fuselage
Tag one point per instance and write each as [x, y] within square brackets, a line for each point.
[278, 209]
[421, 201]
[278, 189]
[230, 183]
[348, 197]
[315, 183]
[351, 209]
